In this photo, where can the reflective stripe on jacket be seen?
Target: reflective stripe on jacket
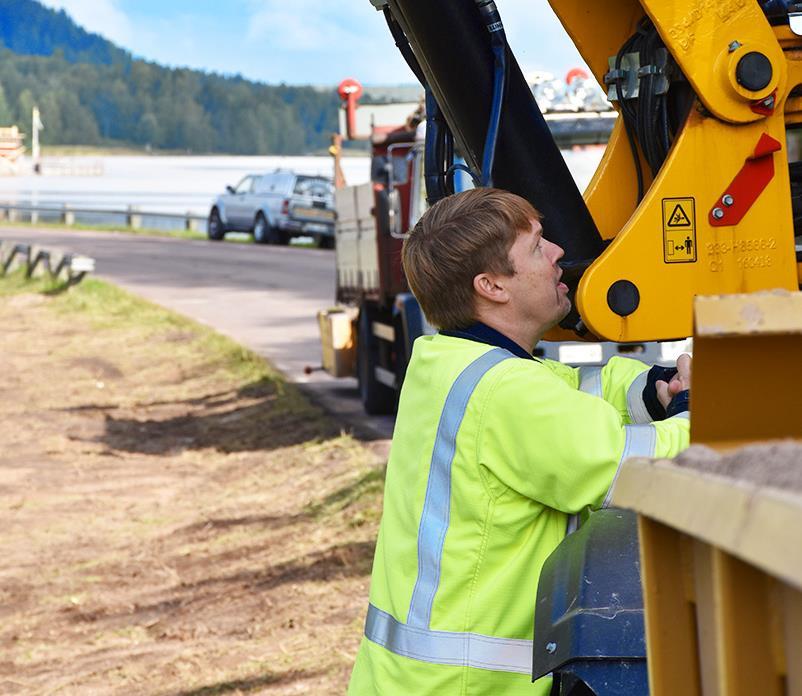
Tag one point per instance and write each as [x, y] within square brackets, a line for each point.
[491, 455]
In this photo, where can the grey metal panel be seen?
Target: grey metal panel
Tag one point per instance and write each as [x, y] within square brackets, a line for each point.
[368, 247]
[357, 253]
[347, 231]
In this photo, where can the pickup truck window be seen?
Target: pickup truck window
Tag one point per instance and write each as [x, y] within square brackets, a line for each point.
[245, 186]
[312, 186]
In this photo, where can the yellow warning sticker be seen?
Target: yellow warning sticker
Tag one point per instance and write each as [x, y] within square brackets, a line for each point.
[679, 230]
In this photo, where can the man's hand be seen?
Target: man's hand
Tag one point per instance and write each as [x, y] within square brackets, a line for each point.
[679, 382]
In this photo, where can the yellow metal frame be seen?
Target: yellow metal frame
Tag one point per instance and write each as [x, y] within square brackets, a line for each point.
[746, 353]
[720, 559]
[721, 562]
[722, 576]
[720, 134]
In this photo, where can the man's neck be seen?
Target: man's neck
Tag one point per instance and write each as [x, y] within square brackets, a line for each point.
[517, 334]
[483, 333]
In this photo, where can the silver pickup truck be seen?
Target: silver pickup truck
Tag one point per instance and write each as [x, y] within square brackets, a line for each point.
[276, 207]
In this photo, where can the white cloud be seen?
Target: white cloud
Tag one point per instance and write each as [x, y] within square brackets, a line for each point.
[537, 38]
[311, 42]
[298, 42]
[352, 36]
[304, 25]
[103, 17]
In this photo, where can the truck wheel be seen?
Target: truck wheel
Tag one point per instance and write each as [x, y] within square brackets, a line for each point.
[214, 227]
[377, 398]
[261, 230]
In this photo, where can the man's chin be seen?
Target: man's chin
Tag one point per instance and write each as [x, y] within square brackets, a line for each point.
[566, 309]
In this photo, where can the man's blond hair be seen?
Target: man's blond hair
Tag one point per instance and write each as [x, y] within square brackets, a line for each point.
[458, 238]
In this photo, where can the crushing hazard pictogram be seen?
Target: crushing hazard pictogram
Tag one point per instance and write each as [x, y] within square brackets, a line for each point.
[679, 230]
[678, 217]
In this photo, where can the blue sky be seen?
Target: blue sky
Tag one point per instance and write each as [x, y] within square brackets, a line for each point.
[296, 41]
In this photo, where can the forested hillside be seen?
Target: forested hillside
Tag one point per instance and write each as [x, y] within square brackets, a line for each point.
[91, 92]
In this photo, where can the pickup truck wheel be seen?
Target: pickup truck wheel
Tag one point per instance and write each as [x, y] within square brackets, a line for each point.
[261, 230]
[377, 398]
[214, 227]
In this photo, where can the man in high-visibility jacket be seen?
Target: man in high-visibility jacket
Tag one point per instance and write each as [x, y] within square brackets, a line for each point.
[494, 454]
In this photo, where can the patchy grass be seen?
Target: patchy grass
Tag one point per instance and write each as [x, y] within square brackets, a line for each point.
[176, 518]
[15, 283]
[119, 229]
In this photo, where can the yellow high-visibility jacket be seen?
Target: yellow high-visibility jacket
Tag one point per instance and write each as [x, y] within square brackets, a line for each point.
[492, 454]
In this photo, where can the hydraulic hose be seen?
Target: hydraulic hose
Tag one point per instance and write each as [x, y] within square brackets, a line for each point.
[403, 46]
[498, 42]
[435, 150]
[489, 153]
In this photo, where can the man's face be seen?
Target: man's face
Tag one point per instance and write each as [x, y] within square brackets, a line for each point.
[536, 292]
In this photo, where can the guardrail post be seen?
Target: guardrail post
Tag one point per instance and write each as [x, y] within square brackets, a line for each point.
[190, 222]
[67, 215]
[34, 216]
[22, 250]
[44, 257]
[12, 214]
[132, 218]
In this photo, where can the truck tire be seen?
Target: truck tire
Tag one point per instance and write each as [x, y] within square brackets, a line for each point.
[261, 230]
[214, 227]
[377, 398]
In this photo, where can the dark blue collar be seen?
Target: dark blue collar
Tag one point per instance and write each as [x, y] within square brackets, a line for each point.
[482, 333]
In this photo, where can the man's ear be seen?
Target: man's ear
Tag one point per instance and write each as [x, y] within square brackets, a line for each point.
[488, 288]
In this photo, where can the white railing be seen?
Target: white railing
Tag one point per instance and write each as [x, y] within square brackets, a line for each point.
[65, 214]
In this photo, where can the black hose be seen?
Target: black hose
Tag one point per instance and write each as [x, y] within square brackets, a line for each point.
[454, 168]
[499, 78]
[498, 44]
[402, 44]
[434, 153]
[629, 115]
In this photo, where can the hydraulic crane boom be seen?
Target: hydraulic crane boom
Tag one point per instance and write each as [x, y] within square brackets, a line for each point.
[694, 193]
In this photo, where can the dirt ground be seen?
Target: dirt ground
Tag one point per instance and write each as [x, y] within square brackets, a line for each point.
[174, 519]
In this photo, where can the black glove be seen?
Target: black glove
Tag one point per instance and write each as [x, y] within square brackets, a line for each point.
[650, 400]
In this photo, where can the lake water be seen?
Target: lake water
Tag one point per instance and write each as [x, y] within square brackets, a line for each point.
[180, 184]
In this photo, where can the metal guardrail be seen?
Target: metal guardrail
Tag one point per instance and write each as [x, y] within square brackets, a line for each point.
[66, 213]
[73, 266]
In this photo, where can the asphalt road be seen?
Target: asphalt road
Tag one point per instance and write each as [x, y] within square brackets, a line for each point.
[261, 296]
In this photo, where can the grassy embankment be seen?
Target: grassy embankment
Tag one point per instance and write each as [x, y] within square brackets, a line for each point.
[236, 238]
[176, 518]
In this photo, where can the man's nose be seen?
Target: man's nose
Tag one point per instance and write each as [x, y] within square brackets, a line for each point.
[557, 252]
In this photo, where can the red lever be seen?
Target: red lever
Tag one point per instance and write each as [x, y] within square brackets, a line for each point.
[748, 184]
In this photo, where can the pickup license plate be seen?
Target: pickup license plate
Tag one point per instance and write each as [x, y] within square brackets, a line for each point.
[315, 214]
